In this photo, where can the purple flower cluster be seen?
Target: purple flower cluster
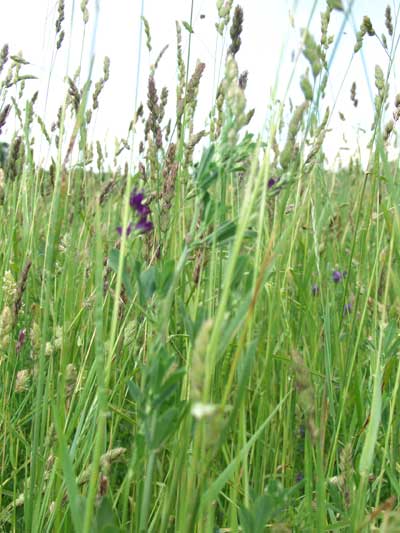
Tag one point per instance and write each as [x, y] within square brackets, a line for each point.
[338, 276]
[347, 308]
[142, 210]
[315, 290]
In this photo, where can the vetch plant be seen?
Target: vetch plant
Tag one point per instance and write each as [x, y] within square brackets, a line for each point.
[212, 367]
[144, 225]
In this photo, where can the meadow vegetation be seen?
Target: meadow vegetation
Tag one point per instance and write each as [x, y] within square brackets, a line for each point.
[199, 332]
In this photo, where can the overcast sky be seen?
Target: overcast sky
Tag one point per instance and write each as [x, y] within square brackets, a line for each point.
[271, 38]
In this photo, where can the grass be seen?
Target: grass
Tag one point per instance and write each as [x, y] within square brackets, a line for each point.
[228, 359]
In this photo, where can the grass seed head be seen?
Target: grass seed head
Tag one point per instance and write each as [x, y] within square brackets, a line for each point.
[152, 104]
[288, 153]
[224, 10]
[379, 79]
[197, 370]
[388, 130]
[312, 52]
[4, 54]
[388, 21]
[147, 33]
[61, 15]
[6, 323]
[21, 289]
[367, 24]
[353, 91]
[22, 380]
[71, 376]
[325, 18]
[60, 39]
[21, 340]
[9, 288]
[99, 86]
[163, 103]
[335, 4]
[35, 337]
[85, 11]
[49, 349]
[243, 80]
[154, 67]
[306, 87]
[194, 82]
[3, 115]
[236, 30]
[305, 392]
[346, 472]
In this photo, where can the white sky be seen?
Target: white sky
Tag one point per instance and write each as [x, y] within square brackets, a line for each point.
[29, 26]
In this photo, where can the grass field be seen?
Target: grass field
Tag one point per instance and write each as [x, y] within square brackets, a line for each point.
[200, 331]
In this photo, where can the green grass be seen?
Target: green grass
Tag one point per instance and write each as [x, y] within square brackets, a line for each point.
[209, 374]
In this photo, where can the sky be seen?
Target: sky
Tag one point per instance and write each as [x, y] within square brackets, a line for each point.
[271, 41]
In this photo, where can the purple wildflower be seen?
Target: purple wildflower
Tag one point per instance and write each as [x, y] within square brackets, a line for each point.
[128, 229]
[142, 211]
[21, 340]
[136, 200]
[347, 309]
[337, 276]
[144, 225]
[315, 290]
[271, 182]
[299, 477]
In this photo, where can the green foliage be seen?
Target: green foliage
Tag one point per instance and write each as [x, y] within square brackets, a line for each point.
[263, 509]
[232, 362]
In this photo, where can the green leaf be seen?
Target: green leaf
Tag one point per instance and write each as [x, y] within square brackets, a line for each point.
[227, 474]
[263, 509]
[243, 374]
[367, 454]
[113, 261]
[389, 371]
[135, 392]
[20, 60]
[105, 512]
[21, 78]
[203, 176]
[209, 178]
[76, 501]
[187, 26]
[109, 529]
[105, 518]
[233, 325]
[187, 320]
[164, 427]
[164, 277]
[148, 282]
[225, 231]
[242, 264]
[164, 395]
[246, 520]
